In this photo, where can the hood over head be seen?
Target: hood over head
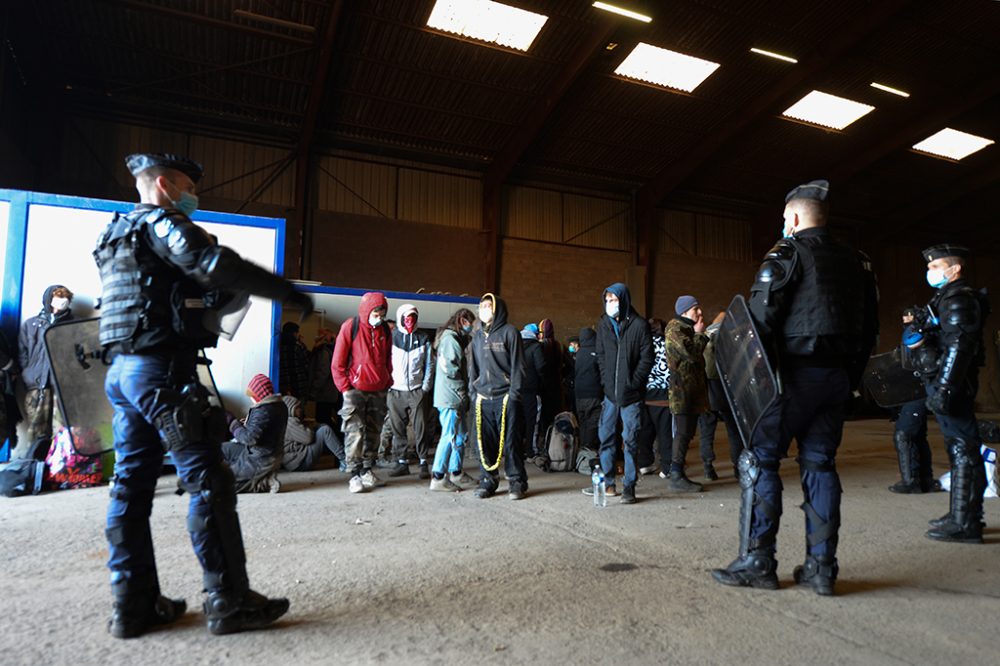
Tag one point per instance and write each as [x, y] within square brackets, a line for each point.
[499, 311]
[405, 309]
[47, 297]
[370, 301]
[624, 298]
[588, 337]
[547, 329]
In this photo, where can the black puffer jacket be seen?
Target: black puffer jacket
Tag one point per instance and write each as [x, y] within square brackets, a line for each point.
[625, 355]
[588, 373]
[264, 431]
[497, 362]
[534, 366]
[35, 368]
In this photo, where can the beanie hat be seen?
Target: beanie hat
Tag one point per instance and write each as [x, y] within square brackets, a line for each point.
[260, 387]
[684, 303]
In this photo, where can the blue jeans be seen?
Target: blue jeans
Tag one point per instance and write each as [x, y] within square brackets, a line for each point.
[810, 411]
[131, 386]
[631, 418]
[448, 457]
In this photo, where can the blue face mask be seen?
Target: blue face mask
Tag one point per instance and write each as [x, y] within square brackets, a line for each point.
[187, 204]
[936, 278]
[467, 328]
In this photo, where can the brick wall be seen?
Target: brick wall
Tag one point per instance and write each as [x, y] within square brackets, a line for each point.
[713, 282]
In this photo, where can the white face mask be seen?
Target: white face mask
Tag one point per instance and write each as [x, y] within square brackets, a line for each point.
[486, 315]
[936, 278]
[611, 307]
[374, 319]
[59, 304]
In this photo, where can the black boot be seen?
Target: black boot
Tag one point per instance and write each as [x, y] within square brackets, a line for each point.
[818, 572]
[680, 483]
[401, 469]
[755, 569]
[906, 451]
[138, 606]
[938, 522]
[229, 612]
[968, 481]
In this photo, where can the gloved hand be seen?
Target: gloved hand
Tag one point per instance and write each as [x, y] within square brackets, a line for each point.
[940, 402]
[301, 301]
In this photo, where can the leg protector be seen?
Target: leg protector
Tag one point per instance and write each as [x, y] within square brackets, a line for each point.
[968, 481]
[821, 481]
[215, 530]
[748, 469]
[909, 462]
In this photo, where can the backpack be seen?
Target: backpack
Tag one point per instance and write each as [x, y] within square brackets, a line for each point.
[22, 477]
[562, 442]
[586, 460]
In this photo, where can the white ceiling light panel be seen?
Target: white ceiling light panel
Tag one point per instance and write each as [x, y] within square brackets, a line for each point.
[820, 108]
[663, 67]
[487, 21]
[952, 144]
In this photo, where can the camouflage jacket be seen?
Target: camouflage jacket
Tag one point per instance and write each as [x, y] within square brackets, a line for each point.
[686, 361]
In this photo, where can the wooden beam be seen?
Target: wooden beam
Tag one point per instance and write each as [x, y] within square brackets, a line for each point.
[523, 136]
[307, 134]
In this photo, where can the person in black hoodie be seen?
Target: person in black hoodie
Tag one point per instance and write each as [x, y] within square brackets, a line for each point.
[257, 449]
[625, 357]
[531, 387]
[495, 375]
[588, 391]
[35, 369]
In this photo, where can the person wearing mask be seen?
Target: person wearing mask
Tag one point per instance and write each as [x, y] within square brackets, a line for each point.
[410, 395]
[685, 342]
[255, 452]
[624, 357]
[910, 433]
[495, 375]
[588, 389]
[36, 373]
[451, 398]
[362, 371]
[153, 262]
[531, 387]
[569, 372]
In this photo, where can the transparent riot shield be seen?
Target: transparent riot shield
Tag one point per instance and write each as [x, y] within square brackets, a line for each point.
[78, 370]
[891, 384]
[747, 377]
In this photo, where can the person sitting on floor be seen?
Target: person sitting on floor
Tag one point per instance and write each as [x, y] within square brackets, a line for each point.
[255, 452]
[304, 443]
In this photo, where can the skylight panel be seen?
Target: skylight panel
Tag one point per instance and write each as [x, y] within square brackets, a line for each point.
[820, 108]
[952, 144]
[663, 67]
[621, 11]
[487, 21]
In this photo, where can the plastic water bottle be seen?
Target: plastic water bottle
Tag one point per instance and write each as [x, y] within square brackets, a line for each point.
[599, 487]
[602, 492]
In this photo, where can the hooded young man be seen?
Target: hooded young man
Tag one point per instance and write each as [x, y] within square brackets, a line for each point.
[255, 452]
[362, 371]
[410, 395]
[495, 387]
[625, 357]
[35, 369]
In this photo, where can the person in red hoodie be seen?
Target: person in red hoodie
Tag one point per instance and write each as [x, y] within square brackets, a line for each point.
[362, 371]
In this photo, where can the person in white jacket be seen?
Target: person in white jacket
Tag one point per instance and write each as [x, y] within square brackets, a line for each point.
[410, 395]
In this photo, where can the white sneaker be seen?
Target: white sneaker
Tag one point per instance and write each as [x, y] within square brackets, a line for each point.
[444, 485]
[664, 475]
[355, 485]
[370, 480]
[648, 470]
[463, 480]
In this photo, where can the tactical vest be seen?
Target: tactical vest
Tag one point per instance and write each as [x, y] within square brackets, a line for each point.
[829, 300]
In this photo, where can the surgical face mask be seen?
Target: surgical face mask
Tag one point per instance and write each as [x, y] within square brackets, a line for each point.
[572, 349]
[486, 315]
[936, 278]
[374, 319]
[611, 307]
[59, 304]
[467, 328]
[187, 204]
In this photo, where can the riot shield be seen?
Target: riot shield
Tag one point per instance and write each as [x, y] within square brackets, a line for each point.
[78, 369]
[889, 383]
[747, 377]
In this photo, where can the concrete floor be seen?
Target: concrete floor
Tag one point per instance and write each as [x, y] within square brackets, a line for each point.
[401, 575]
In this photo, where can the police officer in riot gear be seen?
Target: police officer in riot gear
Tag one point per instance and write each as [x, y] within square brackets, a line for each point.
[949, 348]
[815, 305]
[164, 282]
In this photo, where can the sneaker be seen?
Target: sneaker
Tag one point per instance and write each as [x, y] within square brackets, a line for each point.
[955, 533]
[462, 480]
[484, 493]
[255, 611]
[516, 491]
[754, 570]
[648, 470]
[355, 485]
[681, 484]
[819, 573]
[710, 472]
[664, 474]
[628, 495]
[425, 473]
[401, 469]
[444, 485]
[370, 480]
